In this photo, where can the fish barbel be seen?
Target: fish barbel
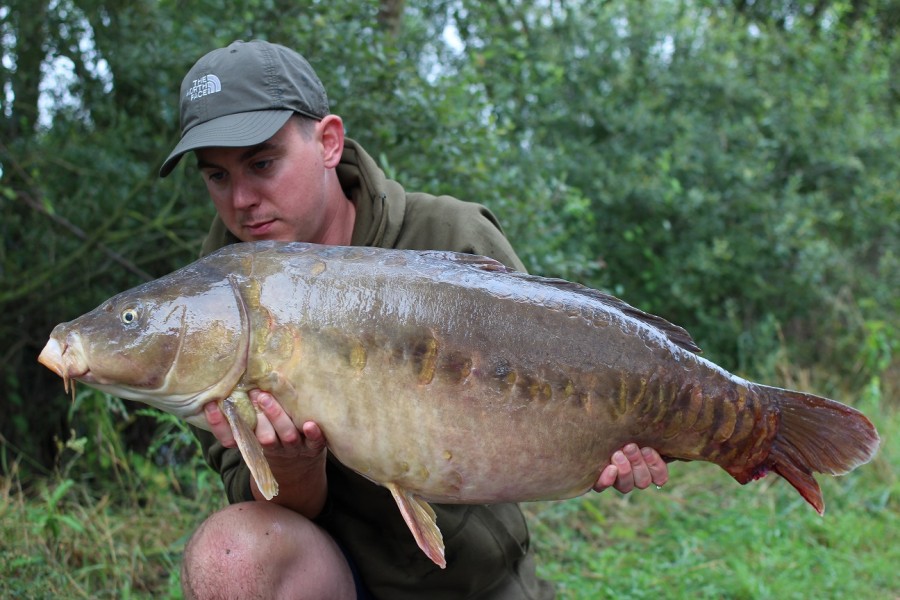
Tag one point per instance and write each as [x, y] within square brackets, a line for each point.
[444, 377]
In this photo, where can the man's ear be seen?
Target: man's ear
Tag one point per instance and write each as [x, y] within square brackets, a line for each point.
[331, 135]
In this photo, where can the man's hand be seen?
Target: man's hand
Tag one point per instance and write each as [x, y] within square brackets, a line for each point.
[275, 430]
[633, 467]
[296, 456]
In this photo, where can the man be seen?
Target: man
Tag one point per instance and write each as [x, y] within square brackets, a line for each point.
[277, 166]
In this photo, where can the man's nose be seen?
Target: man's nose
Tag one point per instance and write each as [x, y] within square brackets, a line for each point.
[243, 196]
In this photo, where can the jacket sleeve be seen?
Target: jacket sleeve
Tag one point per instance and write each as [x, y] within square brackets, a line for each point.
[229, 464]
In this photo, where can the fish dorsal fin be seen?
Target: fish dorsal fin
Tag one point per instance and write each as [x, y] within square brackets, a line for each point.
[475, 261]
[420, 519]
[676, 334]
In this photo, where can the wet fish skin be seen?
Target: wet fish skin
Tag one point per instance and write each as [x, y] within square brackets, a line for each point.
[445, 377]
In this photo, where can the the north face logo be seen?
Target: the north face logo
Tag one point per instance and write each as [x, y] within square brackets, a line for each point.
[206, 85]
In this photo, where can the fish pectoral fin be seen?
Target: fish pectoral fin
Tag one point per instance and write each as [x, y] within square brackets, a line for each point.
[420, 519]
[241, 416]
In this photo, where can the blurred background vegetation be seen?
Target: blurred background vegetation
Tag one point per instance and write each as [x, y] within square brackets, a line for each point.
[730, 165]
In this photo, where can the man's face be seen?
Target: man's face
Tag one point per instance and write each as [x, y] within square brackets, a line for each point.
[272, 191]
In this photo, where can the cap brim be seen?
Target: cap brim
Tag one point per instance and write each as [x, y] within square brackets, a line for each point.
[241, 129]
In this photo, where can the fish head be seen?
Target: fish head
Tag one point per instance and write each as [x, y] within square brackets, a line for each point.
[175, 343]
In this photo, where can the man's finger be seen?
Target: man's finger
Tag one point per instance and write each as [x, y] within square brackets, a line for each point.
[280, 422]
[265, 433]
[659, 470]
[640, 472]
[624, 480]
[218, 425]
[607, 478]
[315, 439]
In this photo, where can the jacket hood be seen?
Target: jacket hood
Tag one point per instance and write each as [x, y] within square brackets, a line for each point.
[380, 202]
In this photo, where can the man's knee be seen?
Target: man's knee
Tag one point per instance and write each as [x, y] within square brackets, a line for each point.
[247, 550]
[226, 551]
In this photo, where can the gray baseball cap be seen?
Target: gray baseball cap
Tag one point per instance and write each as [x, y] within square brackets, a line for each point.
[242, 95]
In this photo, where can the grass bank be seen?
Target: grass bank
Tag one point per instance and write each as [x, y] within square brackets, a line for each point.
[705, 536]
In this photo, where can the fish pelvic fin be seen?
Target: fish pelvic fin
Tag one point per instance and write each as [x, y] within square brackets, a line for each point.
[815, 435]
[421, 520]
[241, 416]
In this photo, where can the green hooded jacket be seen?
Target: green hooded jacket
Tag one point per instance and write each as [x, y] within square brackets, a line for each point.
[487, 546]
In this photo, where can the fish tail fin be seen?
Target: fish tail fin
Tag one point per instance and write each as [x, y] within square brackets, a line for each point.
[815, 435]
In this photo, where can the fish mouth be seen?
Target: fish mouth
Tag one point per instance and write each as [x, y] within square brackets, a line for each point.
[66, 360]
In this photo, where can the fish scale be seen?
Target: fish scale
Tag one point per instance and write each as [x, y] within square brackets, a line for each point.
[445, 377]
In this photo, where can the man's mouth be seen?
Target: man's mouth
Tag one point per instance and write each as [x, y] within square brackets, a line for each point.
[258, 228]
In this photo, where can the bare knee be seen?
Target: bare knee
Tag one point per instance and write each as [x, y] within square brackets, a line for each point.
[261, 550]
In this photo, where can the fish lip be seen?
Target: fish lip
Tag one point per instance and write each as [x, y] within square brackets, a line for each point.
[64, 358]
[52, 357]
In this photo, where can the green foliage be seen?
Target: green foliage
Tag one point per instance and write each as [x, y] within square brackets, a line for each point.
[108, 522]
[733, 167]
[49, 520]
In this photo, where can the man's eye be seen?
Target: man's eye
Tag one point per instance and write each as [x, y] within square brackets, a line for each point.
[262, 165]
[216, 176]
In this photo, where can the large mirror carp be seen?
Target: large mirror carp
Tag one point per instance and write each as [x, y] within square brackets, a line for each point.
[444, 377]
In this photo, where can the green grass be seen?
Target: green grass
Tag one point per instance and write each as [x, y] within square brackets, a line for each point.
[69, 543]
[109, 523]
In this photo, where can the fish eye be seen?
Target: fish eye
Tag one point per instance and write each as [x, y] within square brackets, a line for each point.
[129, 316]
